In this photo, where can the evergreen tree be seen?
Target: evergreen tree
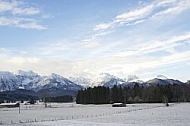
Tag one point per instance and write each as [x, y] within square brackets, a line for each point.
[32, 101]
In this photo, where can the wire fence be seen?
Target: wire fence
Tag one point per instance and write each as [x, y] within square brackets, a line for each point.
[83, 116]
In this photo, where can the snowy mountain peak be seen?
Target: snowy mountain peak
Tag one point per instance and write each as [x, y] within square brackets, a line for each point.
[55, 76]
[105, 77]
[85, 82]
[25, 73]
[132, 78]
[58, 78]
[161, 77]
[164, 81]
[107, 80]
[32, 81]
[8, 81]
[6, 73]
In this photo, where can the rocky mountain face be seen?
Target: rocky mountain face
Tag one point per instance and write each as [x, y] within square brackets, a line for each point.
[30, 80]
[107, 80]
[156, 81]
[8, 81]
[85, 82]
[55, 80]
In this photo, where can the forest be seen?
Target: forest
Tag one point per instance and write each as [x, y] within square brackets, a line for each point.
[64, 98]
[137, 94]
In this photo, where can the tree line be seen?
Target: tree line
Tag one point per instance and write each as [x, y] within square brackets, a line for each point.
[64, 98]
[137, 94]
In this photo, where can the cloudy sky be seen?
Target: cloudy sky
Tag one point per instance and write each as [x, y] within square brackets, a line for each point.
[87, 37]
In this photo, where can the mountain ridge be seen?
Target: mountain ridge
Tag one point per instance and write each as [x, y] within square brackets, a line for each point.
[30, 80]
[33, 81]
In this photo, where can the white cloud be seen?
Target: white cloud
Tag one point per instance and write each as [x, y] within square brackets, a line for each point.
[61, 49]
[19, 63]
[141, 14]
[7, 53]
[155, 45]
[163, 45]
[98, 54]
[175, 7]
[112, 64]
[31, 25]
[103, 26]
[18, 7]
[132, 17]
[164, 3]
[4, 21]
[175, 58]
[17, 10]
[127, 53]
[70, 50]
[8, 6]
[4, 53]
[169, 11]
[26, 11]
[21, 23]
[124, 62]
[134, 14]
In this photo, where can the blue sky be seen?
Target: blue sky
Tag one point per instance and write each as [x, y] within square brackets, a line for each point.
[85, 37]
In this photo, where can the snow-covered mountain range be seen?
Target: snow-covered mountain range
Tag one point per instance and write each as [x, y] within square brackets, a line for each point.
[30, 80]
[107, 80]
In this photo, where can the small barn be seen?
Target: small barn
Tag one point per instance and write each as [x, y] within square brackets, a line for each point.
[9, 105]
[119, 105]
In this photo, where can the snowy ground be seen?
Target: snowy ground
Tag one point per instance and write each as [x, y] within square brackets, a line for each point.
[97, 115]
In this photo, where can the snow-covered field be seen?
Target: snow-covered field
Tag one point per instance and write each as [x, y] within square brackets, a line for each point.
[97, 115]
